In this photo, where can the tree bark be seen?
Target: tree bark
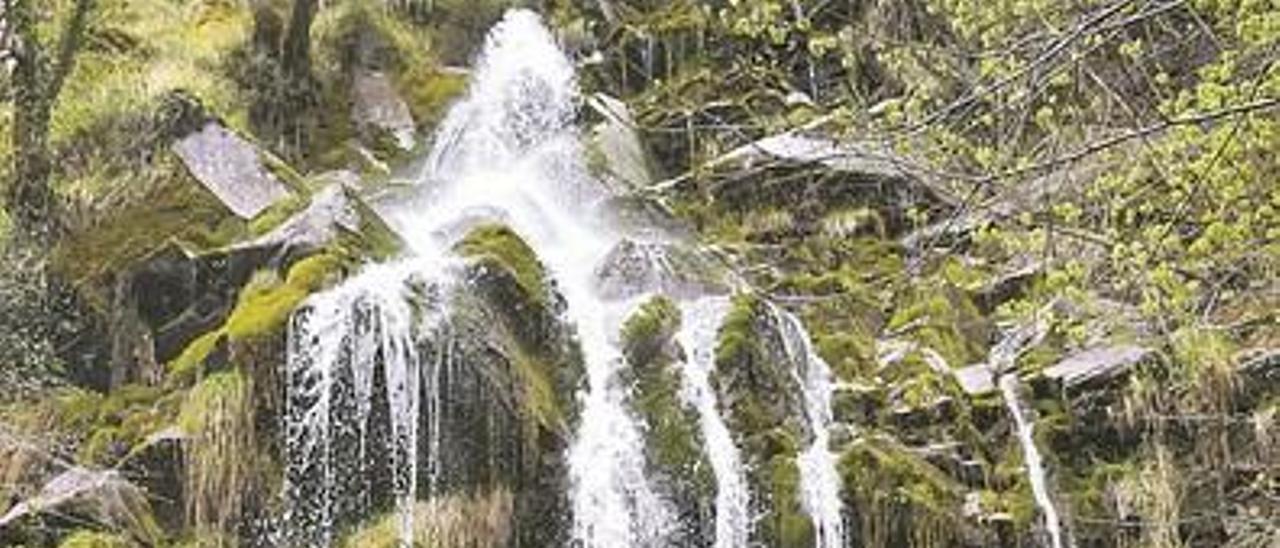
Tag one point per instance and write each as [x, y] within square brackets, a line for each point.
[29, 200]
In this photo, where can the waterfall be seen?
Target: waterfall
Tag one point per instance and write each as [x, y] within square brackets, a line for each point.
[819, 480]
[509, 151]
[701, 321]
[338, 342]
[1009, 387]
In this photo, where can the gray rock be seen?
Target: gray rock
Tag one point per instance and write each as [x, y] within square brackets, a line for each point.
[633, 268]
[802, 148]
[332, 209]
[231, 168]
[379, 110]
[1098, 364]
[617, 140]
[100, 496]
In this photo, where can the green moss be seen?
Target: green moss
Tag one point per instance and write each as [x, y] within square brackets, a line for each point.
[186, 366]
[649, 329]
[499, 246]
[791, 526]
[94, 539]
[736, 342]
[265, 303]
[945, 320]
[898, 493]
[539, 387]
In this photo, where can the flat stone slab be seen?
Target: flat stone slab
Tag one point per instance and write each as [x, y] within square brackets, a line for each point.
[103, 494]
[379, 107]
[799, 148]
[231, 168]
[976, 379]
[1096, 364]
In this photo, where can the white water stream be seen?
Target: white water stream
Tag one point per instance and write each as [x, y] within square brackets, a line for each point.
[337, 341]
[819, 480]
[700, 323]
[510, 152]
[1009, 387]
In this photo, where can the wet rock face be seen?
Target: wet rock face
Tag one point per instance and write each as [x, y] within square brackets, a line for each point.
[634, 268]
[674, 448]
[231, 168]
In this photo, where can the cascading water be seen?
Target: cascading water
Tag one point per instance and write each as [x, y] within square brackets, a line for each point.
[700, 323]
[339, 341]
[1009, 387]
[510, 152]
[819, 481]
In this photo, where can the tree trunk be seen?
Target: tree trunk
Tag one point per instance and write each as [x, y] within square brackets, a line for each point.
[28, 199]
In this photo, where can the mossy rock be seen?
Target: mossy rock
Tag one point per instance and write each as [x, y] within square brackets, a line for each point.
[508, 307]
[760, 392]
[896, 496]
[171, 206]
[649, 330]
[500, 246]
[943, 318]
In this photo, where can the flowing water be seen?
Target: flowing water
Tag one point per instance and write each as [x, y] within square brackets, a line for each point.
[819, 480]
[510, 152]
[339, 341]
[700, 324]
[1009, 387]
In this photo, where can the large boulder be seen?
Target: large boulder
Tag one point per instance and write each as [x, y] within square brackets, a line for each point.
[97, 496]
